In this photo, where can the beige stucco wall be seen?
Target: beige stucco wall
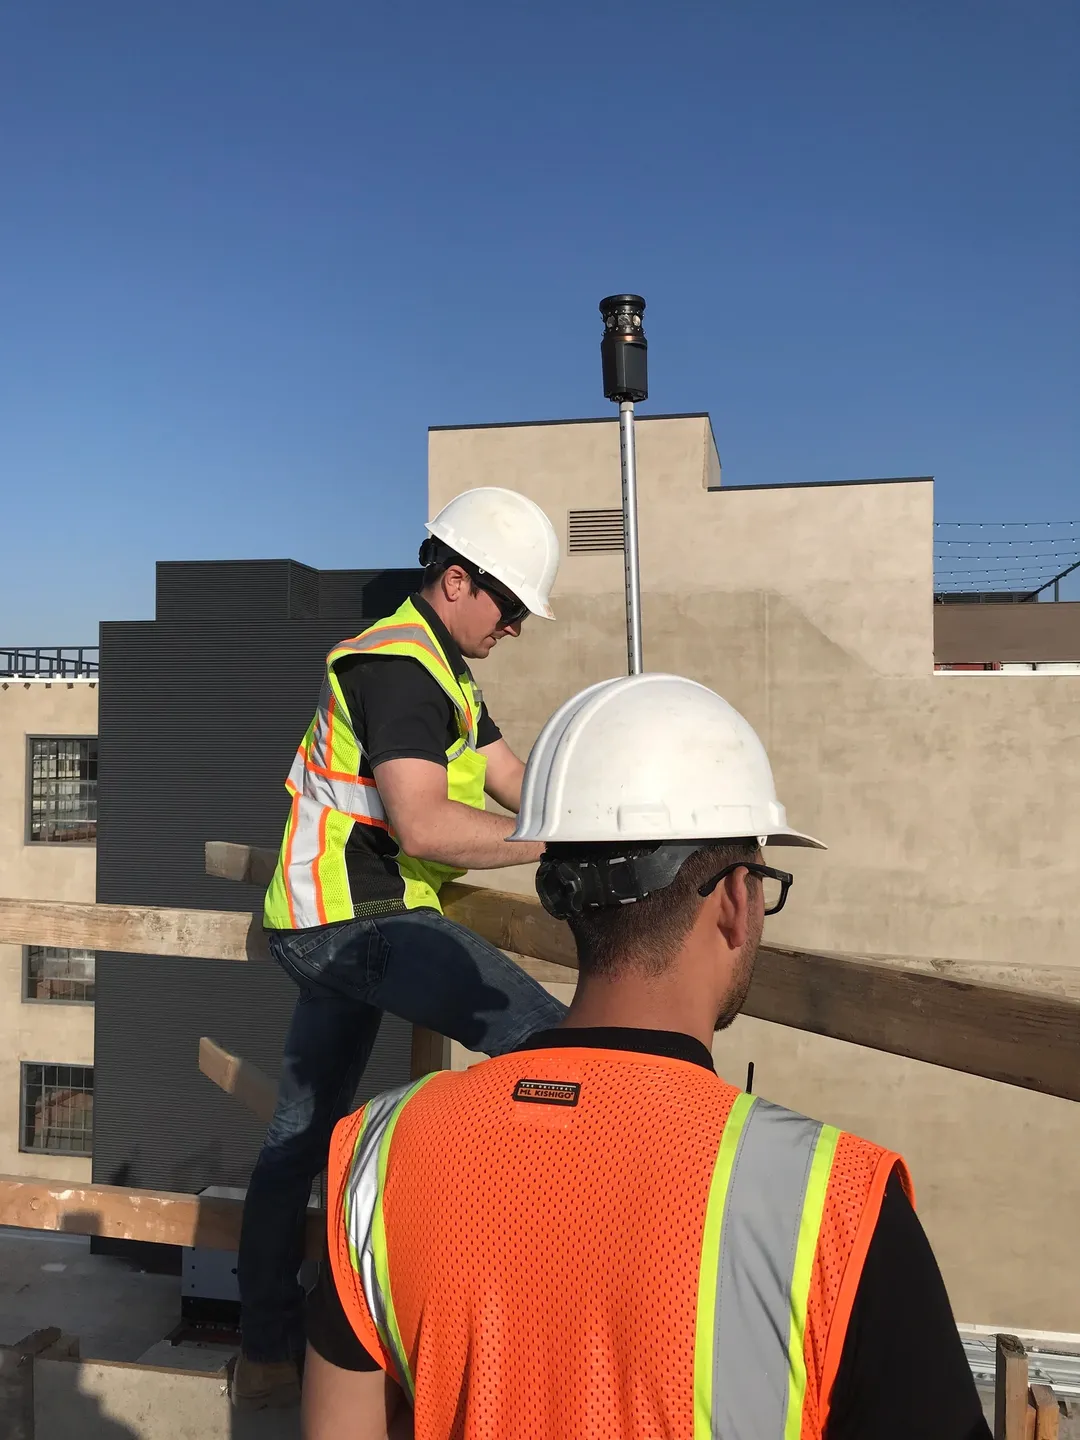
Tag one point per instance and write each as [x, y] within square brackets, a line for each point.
[951, 804]
[42, 1031]
[814, 543]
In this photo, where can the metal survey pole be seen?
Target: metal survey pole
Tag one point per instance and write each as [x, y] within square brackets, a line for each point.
[631, 554]
[623, 352]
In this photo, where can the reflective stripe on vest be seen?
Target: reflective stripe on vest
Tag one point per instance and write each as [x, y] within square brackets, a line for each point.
[388, 634]
[762, 1223]
[365, 1223]
[354, 795]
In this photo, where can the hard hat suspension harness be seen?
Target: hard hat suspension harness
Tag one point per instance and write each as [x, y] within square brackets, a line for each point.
[570, 882]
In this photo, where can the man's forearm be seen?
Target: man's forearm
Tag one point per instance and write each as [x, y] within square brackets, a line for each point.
[468, 839]
[505, 773]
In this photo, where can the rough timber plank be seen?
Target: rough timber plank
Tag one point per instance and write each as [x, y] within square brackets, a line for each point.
[1047, 1414]
[1010, 1389]
[238, 1078]
[249, 864]
[1020, 1037]
[134, 929]
[160, 1216]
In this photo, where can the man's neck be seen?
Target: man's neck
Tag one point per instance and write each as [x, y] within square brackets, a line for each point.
[435, 601]
[640, 1002]
[431, 601]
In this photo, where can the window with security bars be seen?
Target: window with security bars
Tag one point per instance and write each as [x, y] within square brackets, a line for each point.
[63, 790]
[62, 975]
[57, 1109]
[591, 531]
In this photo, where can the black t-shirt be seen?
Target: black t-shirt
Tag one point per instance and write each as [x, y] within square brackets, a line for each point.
[400, 711]
[903, 1372]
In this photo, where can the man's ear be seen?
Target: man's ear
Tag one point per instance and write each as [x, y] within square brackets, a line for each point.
[732, 906]
[455, 582]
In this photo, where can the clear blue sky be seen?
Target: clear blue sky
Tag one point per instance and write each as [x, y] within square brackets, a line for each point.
[250, 250]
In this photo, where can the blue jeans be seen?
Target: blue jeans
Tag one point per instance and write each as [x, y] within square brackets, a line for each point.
[417, 965]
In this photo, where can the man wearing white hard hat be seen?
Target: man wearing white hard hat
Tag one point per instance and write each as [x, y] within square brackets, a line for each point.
[596, 1235]
[388, 790]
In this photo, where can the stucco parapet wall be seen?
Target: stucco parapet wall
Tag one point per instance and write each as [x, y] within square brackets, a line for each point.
[855, 558]
[949, 810]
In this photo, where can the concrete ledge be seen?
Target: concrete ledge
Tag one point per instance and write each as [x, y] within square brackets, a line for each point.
[101, 1400]
[104, 1400]
[17, 1383]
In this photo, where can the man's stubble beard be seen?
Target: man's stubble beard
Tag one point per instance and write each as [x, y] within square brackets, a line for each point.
[740, 980]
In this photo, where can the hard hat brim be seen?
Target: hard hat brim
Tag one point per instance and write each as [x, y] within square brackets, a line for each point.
[795, 837]
[536, 607]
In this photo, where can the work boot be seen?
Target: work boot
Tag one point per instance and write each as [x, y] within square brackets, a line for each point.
[264, 1384]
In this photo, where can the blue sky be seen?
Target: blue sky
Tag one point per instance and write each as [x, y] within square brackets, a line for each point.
[250, 251]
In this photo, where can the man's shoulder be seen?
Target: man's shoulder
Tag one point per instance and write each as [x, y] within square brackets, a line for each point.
[373, 670]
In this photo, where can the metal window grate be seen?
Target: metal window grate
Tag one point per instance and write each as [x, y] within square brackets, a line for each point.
[62, 975]
[63, 790]
[57, 1109]
[591, 531]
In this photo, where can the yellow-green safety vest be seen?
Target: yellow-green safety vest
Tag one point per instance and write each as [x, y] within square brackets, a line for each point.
[331, 795]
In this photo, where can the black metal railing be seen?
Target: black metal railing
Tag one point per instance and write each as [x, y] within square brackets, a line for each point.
[48, 662]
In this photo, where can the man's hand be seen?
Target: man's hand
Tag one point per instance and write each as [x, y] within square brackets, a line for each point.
[429, 826]
[351, 1404]
[505, 773]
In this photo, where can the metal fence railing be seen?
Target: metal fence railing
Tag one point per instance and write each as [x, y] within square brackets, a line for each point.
[48, 662]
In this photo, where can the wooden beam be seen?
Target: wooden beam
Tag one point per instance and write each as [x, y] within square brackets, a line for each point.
[133, 929]
[1020, 1037]
[238, 1077]
[249, 864]
[1047, 1414]
[513, 922]
[159, 1216]
[1010, 1388]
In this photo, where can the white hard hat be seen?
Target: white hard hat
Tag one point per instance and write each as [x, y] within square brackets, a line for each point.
[509, 536]
[650, 758]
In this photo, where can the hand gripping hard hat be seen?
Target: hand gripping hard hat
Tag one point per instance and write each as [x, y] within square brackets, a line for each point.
[655, 763]
[507, 535]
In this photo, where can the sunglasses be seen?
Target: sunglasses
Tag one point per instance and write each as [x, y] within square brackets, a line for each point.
[512, 611]
[775, 884]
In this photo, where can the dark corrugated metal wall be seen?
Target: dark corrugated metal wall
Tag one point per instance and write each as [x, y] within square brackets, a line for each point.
[200, 716]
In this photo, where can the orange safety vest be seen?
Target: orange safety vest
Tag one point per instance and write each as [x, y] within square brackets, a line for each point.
[581, 1242]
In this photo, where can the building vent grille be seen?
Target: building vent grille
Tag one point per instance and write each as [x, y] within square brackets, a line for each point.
[590, 531]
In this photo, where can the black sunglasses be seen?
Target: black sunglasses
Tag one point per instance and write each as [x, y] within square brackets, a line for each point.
[512, 611]
[775, 884]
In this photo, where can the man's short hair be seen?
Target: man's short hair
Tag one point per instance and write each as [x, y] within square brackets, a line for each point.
[435, 569]
[646, 934]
